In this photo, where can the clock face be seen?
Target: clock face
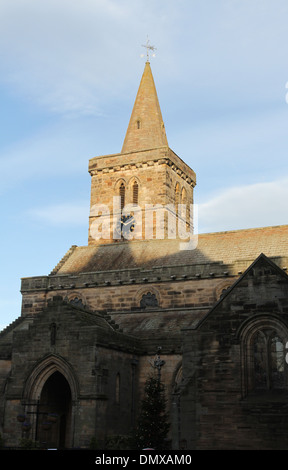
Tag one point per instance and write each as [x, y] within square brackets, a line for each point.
[126, 226]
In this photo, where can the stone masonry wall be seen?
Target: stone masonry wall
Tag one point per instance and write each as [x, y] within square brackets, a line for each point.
[224, 411]
[156, 175]
[190, 293]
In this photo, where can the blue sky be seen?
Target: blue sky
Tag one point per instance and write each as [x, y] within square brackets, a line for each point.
[69, 74]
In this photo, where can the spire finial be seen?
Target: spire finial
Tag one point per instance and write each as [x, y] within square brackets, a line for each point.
[149, 48]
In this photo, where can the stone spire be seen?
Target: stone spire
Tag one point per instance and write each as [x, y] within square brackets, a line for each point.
[146, 128]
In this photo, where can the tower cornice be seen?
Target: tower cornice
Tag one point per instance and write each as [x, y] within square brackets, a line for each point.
[142, 158]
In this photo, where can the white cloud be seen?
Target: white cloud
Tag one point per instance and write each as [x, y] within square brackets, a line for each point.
[249, 206]
[68, 55]
[67, 214]
[256, 205]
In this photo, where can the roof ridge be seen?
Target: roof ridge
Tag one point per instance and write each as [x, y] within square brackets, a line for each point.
[245, 229]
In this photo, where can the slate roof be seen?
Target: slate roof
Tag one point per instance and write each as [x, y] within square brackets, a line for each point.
[156, 324]
[224, 247]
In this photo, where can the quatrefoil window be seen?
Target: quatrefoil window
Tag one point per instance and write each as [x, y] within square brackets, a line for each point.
[149, 300]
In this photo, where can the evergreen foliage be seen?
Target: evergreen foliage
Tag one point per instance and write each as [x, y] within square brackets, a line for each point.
[152, 426]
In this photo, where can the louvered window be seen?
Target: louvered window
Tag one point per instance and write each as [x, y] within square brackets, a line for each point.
[135, 192]
[122, 194]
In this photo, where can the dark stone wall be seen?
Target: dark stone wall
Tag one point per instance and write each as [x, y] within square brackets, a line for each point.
[220, 408]
[96, 361]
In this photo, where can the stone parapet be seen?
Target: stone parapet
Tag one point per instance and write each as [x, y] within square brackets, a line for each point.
[142, 158]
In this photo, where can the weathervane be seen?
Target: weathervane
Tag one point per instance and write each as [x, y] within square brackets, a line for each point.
[149, 48]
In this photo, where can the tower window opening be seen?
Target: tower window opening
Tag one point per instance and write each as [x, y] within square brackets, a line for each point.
[177, 196]
[122, 194]
[135, 192]
[185, 210]
[138, 124]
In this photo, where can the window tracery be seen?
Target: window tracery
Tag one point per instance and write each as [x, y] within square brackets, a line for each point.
[263, 355]
[177, 196]
[268, 358]
[77, 302]
[148, 300]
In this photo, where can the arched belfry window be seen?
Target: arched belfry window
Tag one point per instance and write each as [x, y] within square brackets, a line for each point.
[122, 194]
[177, 193]
[135, 192]
[177, 196]
[184, 203]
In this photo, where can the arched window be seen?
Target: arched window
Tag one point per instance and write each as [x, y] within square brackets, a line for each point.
[122, 194]
[183, 196]
[53, 330]
[135, 192]
[148, 300]
[268, 361]
[177, 193]
[184, 204]
[77, 302]
[177, 197]
[263, 355]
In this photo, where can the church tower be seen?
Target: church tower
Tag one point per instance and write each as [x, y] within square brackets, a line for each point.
[146, 177]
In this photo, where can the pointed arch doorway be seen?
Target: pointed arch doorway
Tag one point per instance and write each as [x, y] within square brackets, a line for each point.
[52, 389]
[54, 421]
